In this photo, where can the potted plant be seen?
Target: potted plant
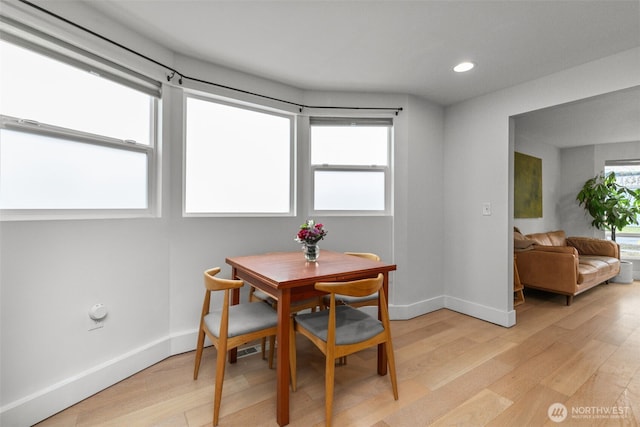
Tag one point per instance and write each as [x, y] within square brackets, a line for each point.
[611, 205]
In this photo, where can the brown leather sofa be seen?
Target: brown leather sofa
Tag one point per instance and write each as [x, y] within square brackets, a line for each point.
[565, 265]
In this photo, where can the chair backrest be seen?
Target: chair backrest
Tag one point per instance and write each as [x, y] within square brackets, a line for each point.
[367, 255]
[356, 288]
[213, 283]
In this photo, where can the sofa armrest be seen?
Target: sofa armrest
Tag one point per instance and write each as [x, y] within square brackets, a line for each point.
[591, 246]
[549, 267]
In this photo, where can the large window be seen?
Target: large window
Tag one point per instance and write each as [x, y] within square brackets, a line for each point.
[350, 165]
[627, 174]
[76, 137]
[238, 160]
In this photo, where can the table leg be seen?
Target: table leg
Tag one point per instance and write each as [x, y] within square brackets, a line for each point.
[235, 299]
[382, 354]
[282, 362]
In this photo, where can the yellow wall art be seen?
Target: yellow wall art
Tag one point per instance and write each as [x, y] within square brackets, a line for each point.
[527, 186]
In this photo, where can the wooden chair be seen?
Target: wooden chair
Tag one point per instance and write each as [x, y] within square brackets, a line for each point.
[342, 330]
[369, 300]
[229, 327]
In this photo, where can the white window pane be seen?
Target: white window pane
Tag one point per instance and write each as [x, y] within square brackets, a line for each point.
[36, 87]
[349, 145]
[38, 172]
[237, 160]
[626, 175]
[349, 190]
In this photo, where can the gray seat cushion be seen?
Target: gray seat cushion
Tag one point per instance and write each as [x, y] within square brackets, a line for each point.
[264, 296]
[352, 325]
[243, 319]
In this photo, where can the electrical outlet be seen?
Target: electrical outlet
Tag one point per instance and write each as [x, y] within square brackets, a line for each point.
[92, 325]
[486, 208]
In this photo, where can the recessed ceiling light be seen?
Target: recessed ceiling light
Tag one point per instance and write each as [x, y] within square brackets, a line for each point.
[463, 66]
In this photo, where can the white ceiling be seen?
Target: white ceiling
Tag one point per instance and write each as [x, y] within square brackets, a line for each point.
[387, 46]
[609, 118]
[410, 47]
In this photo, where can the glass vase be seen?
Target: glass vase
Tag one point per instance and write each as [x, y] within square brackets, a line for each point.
[311, 251]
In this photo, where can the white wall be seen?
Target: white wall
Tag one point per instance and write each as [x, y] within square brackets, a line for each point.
[478, 256]
[419, 213]
[578, 165]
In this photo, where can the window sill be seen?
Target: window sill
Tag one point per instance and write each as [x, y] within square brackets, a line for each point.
[9, 215]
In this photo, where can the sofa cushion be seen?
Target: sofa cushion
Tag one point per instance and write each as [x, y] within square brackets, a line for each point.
[587, 273]
[591, 246]
[606, 265]
[551, 238]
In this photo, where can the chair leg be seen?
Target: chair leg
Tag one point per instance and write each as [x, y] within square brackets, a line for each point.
[292, 356]
[221, 359]
[199, 348]
[569, 299]
[328, 388]
[263, 343]
[272, 347]
[391, 362]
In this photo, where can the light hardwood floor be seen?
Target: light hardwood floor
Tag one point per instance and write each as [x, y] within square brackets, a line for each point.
[453, 370]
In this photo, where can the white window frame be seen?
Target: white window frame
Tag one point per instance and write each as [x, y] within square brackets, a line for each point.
[250, 107]
[386, 169]
[38, 42]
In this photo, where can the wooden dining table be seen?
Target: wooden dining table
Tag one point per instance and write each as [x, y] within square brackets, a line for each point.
[288, 277]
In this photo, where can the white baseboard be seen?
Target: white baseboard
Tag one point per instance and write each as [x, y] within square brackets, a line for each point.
[44, 403]
[185, 341]
[489, 314]
[405, 312]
